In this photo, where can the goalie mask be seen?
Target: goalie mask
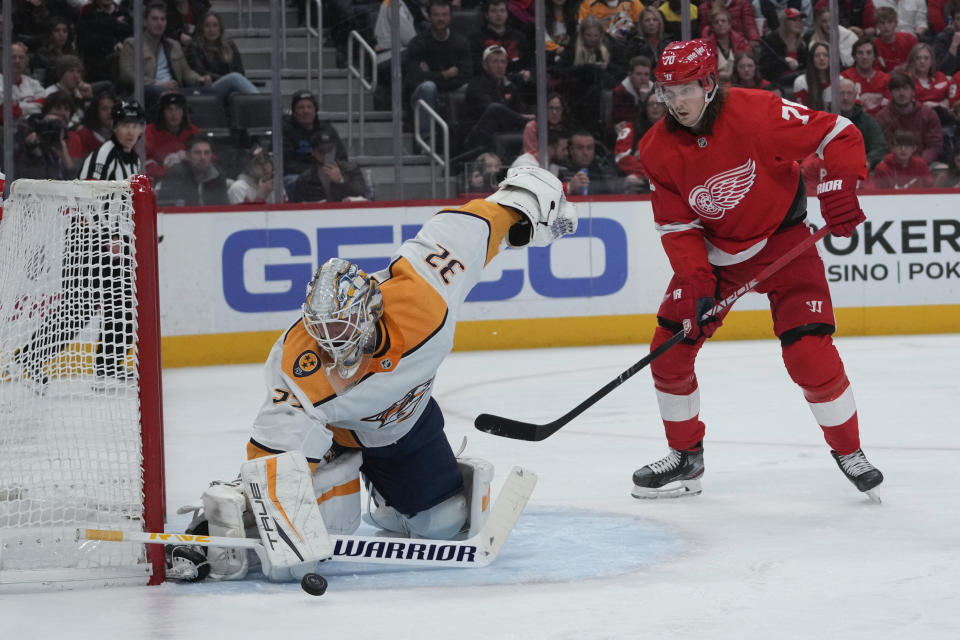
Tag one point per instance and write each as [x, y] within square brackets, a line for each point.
[682, 63]
[341, 312]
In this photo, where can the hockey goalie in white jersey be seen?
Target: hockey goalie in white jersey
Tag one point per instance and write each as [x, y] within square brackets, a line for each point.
[350, 384]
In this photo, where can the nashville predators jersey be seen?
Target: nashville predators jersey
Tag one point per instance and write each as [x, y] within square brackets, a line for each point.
[423, 290]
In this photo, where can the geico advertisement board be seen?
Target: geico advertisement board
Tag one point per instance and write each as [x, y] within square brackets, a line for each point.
[247, 271]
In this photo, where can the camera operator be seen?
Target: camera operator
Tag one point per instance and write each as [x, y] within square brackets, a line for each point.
[42, 141]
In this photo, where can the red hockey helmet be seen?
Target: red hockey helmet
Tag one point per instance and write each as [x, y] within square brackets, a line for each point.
[686, 61]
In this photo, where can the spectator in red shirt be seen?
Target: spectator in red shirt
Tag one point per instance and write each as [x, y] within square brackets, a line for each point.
[630, 95]
[166, 137]
[725, 40]
[871, 82]
[931, 85]
[904, 112]
[953, 94]
[893, 46]
[902, 169]
[625, 152]
[95, 128]
[495, 30]
[742, 18]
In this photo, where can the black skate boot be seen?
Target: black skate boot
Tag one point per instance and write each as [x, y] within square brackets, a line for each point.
[864, 476]
[681, 467]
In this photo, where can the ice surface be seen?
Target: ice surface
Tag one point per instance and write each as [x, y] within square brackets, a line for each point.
[779, 545]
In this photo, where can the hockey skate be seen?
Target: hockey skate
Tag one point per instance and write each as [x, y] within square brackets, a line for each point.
[675, 476]
[864, 476]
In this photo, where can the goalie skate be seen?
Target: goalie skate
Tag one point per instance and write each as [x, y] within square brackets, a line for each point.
[675, 476]
[864, 476]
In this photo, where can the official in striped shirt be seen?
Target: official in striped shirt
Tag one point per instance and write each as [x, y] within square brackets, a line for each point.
[117, 159]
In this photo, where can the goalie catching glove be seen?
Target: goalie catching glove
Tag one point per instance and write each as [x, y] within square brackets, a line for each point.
[839, 205]
[537, 195]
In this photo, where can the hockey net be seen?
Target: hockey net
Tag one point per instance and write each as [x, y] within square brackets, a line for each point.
[80, 417]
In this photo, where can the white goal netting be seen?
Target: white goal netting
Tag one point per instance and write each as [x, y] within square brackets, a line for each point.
[71, 450]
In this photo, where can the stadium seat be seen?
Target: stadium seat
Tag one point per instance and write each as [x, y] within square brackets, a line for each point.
[466, 22]
[252, 114]
[508, 146]
[207, 114]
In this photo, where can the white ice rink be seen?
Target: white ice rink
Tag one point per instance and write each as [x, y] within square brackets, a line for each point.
[779, 545]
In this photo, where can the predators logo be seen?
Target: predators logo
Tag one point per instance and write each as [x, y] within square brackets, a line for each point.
[307, 362]
[402, 408]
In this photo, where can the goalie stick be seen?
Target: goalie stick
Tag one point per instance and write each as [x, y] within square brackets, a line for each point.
[478, 551]
[518, 430]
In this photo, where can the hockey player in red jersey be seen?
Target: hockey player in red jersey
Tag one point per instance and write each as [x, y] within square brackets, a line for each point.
[728, 200]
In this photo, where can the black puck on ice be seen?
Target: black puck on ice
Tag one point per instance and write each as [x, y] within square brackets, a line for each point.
[314, 584]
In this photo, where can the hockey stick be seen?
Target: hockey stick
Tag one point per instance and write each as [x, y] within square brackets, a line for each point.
[508, 428]
[478, 551]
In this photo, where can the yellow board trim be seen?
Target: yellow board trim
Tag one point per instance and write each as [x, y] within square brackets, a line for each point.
[478, 335]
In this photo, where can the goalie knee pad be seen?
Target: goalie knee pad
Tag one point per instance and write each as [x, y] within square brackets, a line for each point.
[337, 485]
[442, 521]
[465, 512]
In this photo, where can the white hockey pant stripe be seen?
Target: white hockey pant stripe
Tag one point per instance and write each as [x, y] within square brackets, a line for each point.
[675, 408]
[837, 411]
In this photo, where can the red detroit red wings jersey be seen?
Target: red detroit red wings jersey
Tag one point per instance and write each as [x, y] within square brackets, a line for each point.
[718, 197]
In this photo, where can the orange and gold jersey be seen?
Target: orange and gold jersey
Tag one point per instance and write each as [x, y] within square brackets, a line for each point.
[423, 289]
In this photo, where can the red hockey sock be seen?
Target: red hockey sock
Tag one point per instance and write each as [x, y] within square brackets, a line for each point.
[814, 364]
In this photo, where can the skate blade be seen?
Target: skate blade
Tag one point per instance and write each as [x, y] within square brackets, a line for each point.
[685, 489]
[874, 498]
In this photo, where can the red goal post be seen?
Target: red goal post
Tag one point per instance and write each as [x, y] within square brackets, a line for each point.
[81, 420]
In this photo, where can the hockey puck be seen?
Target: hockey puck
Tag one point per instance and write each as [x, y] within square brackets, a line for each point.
[314, 584]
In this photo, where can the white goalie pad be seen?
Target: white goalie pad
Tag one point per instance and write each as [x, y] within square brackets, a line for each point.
[223, 507]
[337, 487]
[282, 500]
[477, 478]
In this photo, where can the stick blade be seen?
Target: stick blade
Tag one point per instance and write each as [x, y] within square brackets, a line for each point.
[507, 428]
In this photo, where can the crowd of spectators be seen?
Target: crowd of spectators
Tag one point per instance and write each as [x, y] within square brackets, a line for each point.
[898, 58]
[472, 62]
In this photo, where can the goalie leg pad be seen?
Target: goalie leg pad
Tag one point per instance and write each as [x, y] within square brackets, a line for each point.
[284, 506]
[223, 507]
[337, 487]
[477, 477]
[440, 522]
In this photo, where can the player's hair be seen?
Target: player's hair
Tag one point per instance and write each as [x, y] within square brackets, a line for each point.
[710, 114]
[862, 40]
[903, 138]
[490, 3]
[885, 14]
[899, 80]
